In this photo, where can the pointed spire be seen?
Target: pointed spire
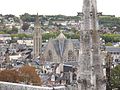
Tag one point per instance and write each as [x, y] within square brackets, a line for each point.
[37, 22]
[61, 36]
[86, 5]
[94, 5]
[90, 21]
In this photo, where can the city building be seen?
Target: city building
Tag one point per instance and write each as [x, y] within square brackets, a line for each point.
[115, 54]
[61, 50]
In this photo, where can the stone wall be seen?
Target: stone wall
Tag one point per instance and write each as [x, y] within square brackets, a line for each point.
[15, 86]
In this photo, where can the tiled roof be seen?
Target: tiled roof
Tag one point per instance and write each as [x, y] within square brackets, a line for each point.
[112, 49]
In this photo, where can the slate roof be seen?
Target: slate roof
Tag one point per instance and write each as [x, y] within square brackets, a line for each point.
[112, 49]
[61, 46]
[61, 43]
[4, 35]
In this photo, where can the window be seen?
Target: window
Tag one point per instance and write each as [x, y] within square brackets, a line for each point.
[71, 56]
[50, 57]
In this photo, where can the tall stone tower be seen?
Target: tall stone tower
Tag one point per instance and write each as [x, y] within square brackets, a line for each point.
[37, 38]
[90, 70]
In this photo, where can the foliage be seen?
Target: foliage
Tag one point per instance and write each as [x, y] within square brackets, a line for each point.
[26, 74]
[115, 77]
[29, 75]
[21, 36]
[26, 17]
[31, 18]
[25, 26]
[14, 30]
[72, 36]
[16, 19]
[47, 36]
[9, 76]
[111, 37]
[108, 44]
[109, 21]
[1, 32]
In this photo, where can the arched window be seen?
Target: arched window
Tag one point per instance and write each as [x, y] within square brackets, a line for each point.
[71, 56]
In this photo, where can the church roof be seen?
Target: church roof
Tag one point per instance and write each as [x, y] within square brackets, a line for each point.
[61, 43]
[61, 36]
[60, 47]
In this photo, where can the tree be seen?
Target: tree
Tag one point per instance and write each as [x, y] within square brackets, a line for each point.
[109, 21]
[9, 76]
[25, 26]
[21, 36]
[26, 74]
[26, 17]
[29, 75]
[47, 36]
[115, 77]
[14, 30]
[109, 44]
[111, 37]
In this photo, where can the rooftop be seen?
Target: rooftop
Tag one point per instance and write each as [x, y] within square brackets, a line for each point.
[112, 49]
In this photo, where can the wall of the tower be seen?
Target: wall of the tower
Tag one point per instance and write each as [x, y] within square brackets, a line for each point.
[84, 70]
[97, 60]
[37, 38]
[90, 65]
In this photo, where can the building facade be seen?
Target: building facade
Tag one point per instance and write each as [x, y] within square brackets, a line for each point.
[62, 50]
[115, 54]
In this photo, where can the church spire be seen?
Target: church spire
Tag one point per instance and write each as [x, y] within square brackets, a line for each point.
[90, 72]
[96, 57]
[37, 22]
[37, 37]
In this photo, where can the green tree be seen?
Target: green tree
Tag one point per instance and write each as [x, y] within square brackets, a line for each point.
[109, 21]
[14, 30]
[21, 36]
[47, 36]
[72, 36]
[26, 17]
[115, 77]
[1, 32]
[25, 26]
[111, 37]
[108, 44]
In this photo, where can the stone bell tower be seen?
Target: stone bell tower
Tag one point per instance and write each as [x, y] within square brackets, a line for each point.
[90, 72]
[37, 38]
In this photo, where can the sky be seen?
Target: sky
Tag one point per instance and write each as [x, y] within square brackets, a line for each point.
[55, 7]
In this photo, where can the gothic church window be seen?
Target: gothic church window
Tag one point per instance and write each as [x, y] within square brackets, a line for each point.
[71, 56]
[50, 57]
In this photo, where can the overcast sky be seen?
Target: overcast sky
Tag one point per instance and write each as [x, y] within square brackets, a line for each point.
[54, 7]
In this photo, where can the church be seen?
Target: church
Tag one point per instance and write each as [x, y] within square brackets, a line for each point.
[86, 52]
[59, 50]
[62, 50]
